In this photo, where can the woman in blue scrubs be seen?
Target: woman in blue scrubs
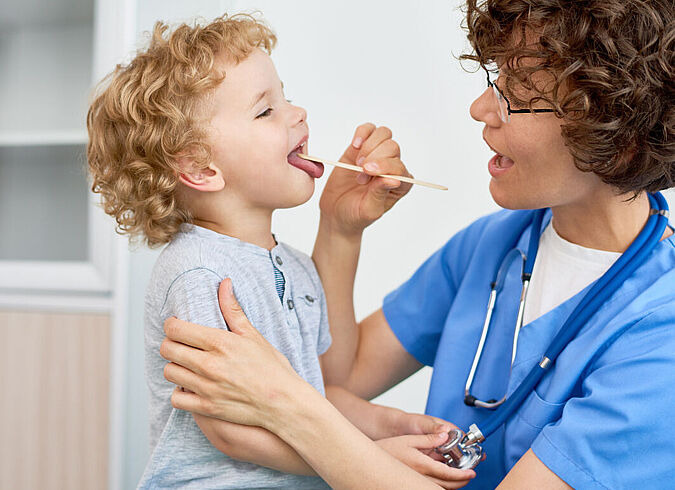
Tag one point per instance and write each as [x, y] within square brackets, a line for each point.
[579, 112]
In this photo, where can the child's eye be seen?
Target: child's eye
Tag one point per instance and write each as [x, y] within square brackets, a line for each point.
[265, 113]
[289, 101]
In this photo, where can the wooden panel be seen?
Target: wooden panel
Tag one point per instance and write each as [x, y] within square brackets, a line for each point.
[54, 377]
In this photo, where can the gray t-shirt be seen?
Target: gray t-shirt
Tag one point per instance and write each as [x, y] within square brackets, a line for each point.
[184, 283]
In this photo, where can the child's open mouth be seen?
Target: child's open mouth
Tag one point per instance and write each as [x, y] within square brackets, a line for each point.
[314, 169]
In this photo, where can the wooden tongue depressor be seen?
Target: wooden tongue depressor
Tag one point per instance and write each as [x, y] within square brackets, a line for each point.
[356, 168]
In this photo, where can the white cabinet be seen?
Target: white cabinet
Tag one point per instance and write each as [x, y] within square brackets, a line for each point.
[63, 270]
[53, 237]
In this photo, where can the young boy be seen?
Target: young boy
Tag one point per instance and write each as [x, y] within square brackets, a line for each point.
[194, 144]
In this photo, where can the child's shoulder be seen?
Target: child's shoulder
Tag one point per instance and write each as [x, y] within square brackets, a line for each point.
[186, 252]
[183, 252]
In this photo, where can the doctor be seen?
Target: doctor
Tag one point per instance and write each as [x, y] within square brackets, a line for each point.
[579, 111]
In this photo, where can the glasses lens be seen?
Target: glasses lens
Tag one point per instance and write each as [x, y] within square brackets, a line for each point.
[501, 102]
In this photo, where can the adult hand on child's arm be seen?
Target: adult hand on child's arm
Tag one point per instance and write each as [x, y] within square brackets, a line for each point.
[239, 377]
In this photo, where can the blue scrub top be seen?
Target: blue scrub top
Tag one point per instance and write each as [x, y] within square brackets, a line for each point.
[603, 416]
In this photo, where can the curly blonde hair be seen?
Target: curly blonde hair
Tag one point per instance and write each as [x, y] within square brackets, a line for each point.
[150, 112]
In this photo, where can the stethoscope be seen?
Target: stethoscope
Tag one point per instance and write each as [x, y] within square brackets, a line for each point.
[462, 450]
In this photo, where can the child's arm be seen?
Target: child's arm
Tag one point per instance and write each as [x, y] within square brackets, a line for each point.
[252, 444]
[348, 206]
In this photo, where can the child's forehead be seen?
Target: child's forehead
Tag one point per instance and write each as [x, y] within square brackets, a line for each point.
[241, 86]
[248, 77]
[257, 66]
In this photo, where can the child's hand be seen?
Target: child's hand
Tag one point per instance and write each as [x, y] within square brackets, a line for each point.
[415, 451]
[352, 201]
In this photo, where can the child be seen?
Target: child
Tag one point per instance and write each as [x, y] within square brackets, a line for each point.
[193, 144]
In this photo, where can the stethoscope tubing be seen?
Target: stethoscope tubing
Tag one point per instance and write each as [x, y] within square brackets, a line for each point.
[533, 248]
[623, 268]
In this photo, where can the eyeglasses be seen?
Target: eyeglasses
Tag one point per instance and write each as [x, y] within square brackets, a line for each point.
[505, 110]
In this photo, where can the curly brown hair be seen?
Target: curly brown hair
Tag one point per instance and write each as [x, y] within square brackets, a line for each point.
[151, 112]
[613, 63]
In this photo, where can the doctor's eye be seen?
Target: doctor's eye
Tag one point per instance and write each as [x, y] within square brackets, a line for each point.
[264, 113]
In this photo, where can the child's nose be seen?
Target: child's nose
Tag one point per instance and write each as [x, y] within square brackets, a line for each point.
[299, 115]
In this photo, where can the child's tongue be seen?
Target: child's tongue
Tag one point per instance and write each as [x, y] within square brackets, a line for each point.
[313, 169]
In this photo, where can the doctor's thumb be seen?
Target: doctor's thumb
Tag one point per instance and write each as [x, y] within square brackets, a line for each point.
[229, 306]
[427, 441]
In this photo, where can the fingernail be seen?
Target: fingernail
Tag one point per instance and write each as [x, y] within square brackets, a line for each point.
[360, 160]
[229, 286]
[358, 141]
[362, 179]
[371, 167]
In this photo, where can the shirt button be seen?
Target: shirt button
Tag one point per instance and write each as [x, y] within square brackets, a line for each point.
[309, 298]
[290, 304]
[279, 261]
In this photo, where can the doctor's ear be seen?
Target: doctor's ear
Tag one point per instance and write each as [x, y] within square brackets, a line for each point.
[205, 179]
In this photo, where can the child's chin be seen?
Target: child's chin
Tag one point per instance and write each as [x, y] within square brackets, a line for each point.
[307, 195]
[301, 195]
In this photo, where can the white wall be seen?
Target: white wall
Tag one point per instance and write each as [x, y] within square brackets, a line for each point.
[389, 62]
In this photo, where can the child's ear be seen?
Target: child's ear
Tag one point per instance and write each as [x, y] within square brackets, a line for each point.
[209, 179]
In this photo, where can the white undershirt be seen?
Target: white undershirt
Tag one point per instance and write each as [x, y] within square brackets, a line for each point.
[561, 270]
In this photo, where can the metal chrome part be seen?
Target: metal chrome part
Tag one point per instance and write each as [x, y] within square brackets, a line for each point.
[457, 454]
[662, 212]
[496, 287]
[474, 436]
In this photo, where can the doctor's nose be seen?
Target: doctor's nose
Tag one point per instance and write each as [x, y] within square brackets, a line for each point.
[485, 109]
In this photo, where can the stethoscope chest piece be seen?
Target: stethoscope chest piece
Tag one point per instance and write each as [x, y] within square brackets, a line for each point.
[459, 455]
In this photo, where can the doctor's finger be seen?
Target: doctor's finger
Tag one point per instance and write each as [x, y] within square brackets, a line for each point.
[234, 315]
[448, 484]
[388, 148]
[442, 471]
[387, 162]
[188, 333]
[191, 402]
[379, 136]
[360, 135]
[184, 378]
[184, 355]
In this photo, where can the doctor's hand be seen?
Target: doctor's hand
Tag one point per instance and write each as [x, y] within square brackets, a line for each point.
[417, 451]
[235, 375]
[402, 423]
[351, 201]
